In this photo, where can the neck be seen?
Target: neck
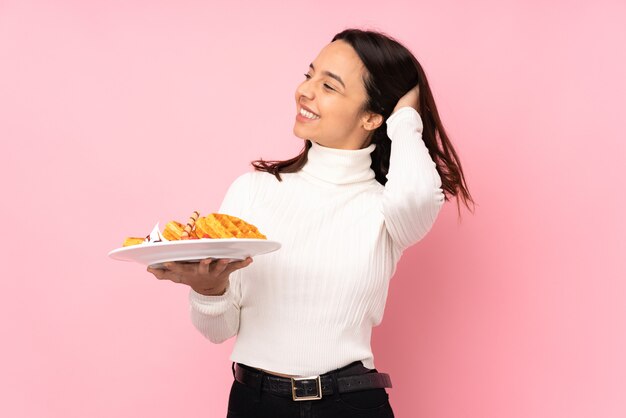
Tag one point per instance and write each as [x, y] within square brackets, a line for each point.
[339, 166]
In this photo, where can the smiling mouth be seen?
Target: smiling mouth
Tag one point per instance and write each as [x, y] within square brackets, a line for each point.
[308, 115]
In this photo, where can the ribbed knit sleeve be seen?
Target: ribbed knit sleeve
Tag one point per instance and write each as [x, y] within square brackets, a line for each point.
[413, 196]
[217, 317]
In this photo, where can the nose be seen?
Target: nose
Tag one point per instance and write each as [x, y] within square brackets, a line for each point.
[305, 89]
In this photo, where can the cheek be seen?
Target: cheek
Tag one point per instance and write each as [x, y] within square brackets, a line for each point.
[344, 119]
[338, 110]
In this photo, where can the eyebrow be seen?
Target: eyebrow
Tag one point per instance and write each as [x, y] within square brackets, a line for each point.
[332, 75]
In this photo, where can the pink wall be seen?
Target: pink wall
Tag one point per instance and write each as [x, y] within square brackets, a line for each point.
[115, 115]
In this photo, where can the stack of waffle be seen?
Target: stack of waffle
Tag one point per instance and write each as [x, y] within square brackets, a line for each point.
[215, 225]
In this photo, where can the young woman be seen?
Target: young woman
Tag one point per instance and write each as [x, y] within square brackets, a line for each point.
[374, 172]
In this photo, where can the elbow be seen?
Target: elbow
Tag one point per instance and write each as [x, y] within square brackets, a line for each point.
[216, 333]
[217, 339]
[216, 329]
[437, 199]
[411, 217]
[424, 205]
[429, 206]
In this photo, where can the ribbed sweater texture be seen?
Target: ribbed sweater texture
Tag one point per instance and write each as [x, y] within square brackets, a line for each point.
[310, 306]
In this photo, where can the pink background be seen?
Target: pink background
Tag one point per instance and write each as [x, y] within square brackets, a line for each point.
[115, 115]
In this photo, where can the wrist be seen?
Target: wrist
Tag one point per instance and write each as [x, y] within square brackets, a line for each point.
[216, 291]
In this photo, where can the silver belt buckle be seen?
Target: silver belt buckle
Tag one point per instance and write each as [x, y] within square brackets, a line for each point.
[306, 398]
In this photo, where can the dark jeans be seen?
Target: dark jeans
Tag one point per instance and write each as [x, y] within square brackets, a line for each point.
[247, 402]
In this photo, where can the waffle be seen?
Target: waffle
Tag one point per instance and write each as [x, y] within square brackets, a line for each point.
[217, 225]
[174, 231]
[133, 241]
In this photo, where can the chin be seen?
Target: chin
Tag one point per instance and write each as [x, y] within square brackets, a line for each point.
[298, 132]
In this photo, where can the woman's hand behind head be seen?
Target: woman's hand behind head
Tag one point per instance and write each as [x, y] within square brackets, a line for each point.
[411, 98]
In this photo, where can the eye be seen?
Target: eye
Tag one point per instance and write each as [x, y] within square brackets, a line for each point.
[327, 86]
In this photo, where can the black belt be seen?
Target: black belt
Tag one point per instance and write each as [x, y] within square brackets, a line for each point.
[312, 387]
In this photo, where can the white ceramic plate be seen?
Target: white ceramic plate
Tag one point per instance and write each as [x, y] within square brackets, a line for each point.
[193, 250]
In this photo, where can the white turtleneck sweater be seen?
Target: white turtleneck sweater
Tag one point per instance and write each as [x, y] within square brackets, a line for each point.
[310, 306]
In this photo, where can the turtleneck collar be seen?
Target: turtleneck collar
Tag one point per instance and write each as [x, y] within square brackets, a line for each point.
[339, 166]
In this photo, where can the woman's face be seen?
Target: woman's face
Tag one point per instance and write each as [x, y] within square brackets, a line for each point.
[334, 92]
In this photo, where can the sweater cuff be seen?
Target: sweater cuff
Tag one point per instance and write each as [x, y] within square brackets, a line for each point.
[211, 305]
[401, 116]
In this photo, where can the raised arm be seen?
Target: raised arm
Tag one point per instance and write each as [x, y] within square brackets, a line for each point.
[413, 196]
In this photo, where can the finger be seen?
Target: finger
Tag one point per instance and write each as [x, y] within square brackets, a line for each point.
[220, 266]
[204, 266]
[158, 273]
[168, 275]
[238, 265]
[170, 265]
[180, 267]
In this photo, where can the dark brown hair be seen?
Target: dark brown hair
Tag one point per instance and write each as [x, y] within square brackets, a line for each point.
[392, 71]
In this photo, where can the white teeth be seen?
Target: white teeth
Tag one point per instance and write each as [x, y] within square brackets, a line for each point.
[308, 115]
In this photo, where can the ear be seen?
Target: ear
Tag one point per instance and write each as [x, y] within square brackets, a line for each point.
[371, 121]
